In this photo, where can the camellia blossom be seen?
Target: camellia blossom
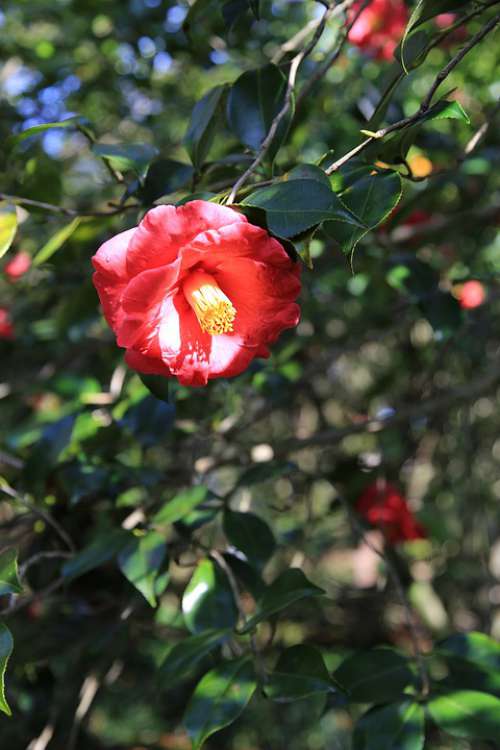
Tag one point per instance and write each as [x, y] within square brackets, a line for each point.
[6, 326]
[196, 292]
[471, 295]
[383, 506]
[379, 28]
[17, 266]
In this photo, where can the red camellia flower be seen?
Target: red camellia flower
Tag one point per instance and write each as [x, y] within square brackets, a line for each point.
[17, 266]
[471, 295]
[6, 327]
[383, 506]
[379, 28]
[196, 292]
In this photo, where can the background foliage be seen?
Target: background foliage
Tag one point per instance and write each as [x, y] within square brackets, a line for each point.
[176, 561]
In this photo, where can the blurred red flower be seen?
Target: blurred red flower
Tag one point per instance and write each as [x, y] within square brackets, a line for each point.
[383, 506]
[471, 295]
[6, 327]
[17, 266]
[379, 28]
[196, 292]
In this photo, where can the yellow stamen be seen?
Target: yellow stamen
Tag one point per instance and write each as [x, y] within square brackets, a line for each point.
[215, 311]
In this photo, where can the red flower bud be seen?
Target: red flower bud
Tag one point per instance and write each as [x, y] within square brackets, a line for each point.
[196, 292]
[471, 295]
[17, 266]
[383, 506]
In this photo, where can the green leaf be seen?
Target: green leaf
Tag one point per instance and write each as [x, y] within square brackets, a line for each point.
[375, 676]
[424, 11]
[251, 535]
[71, 122]
[446, 110]
[163, 177]
[135, 157]
[180, 505]
[294, 206]
[219, 698]
[473, 660]
[143, 561]
[265, 471]
[399, 726]
[187, 654]
[290, 587]
[45, 454]
[307, 172]
[56, 242]
[254, 100]
[467, 713]
[102, 550]
[158, 385]
[9, 576]
[371, 199]
[203, 126]
[299, 673]
[8, 226]
[150, 420]
[6, 646]
[208, 601]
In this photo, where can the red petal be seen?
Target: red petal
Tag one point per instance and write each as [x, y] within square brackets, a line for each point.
[110, 277]
[146, 365]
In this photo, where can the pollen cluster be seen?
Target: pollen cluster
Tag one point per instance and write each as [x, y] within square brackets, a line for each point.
[214, 311]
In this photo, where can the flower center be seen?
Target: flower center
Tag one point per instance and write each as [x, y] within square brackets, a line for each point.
[215, 311]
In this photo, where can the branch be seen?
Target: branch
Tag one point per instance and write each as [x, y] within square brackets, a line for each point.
[20, 201]
[11, 492]
[421, 112]
[292, 75]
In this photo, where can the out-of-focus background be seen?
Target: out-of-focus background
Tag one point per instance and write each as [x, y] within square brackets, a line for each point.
[392, 376]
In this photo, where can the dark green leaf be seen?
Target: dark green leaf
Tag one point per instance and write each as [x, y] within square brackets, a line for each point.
[203, 125]
[8, 226]
[99, 552]
[246, 575]
[251, 535]
[467, 713]
[299, 673]
[473, 660]
[180, 505]
[219, 698]
[399, 726]
[150, 420]
[6, 646]
[128, 156]
[371, 199]
[427, 9]
[163, 177]
[308, 172]
[375, 676]
[158, 386]
[71, 122]
[289, 587]
[187, 654]
[294, 206]
[46, 452]
[208, 601]
[254, 100]
[9, 577]
[265, 471]
[143, 561]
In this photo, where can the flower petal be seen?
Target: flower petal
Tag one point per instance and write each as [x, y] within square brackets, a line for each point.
[110, 277]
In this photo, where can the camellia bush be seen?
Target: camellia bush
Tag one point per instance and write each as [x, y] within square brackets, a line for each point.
[250, 375]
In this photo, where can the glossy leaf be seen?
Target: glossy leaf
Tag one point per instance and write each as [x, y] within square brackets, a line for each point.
[307, 172]
[473, 660]
[290, 587]
[202, 126]
[299, 673]
[9, 576]
[467, 713]
[102, 550]
[294, 206]
[399, 726]
[446, 110]
[8, 226]
[72, 122]
[219, 698]
[208, 601]
[371, 199]
[163, 177]
[254, 100]
[187, 654]
[375, 676]
[180, 505]
[56, 242]
[6, 646]
[251, 535]
[129, 156]
[149, 420]
[142, 562]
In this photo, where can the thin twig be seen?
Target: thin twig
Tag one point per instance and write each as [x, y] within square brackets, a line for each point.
[422, 111]
[20, 201]
[287, 103]
[11, 492]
